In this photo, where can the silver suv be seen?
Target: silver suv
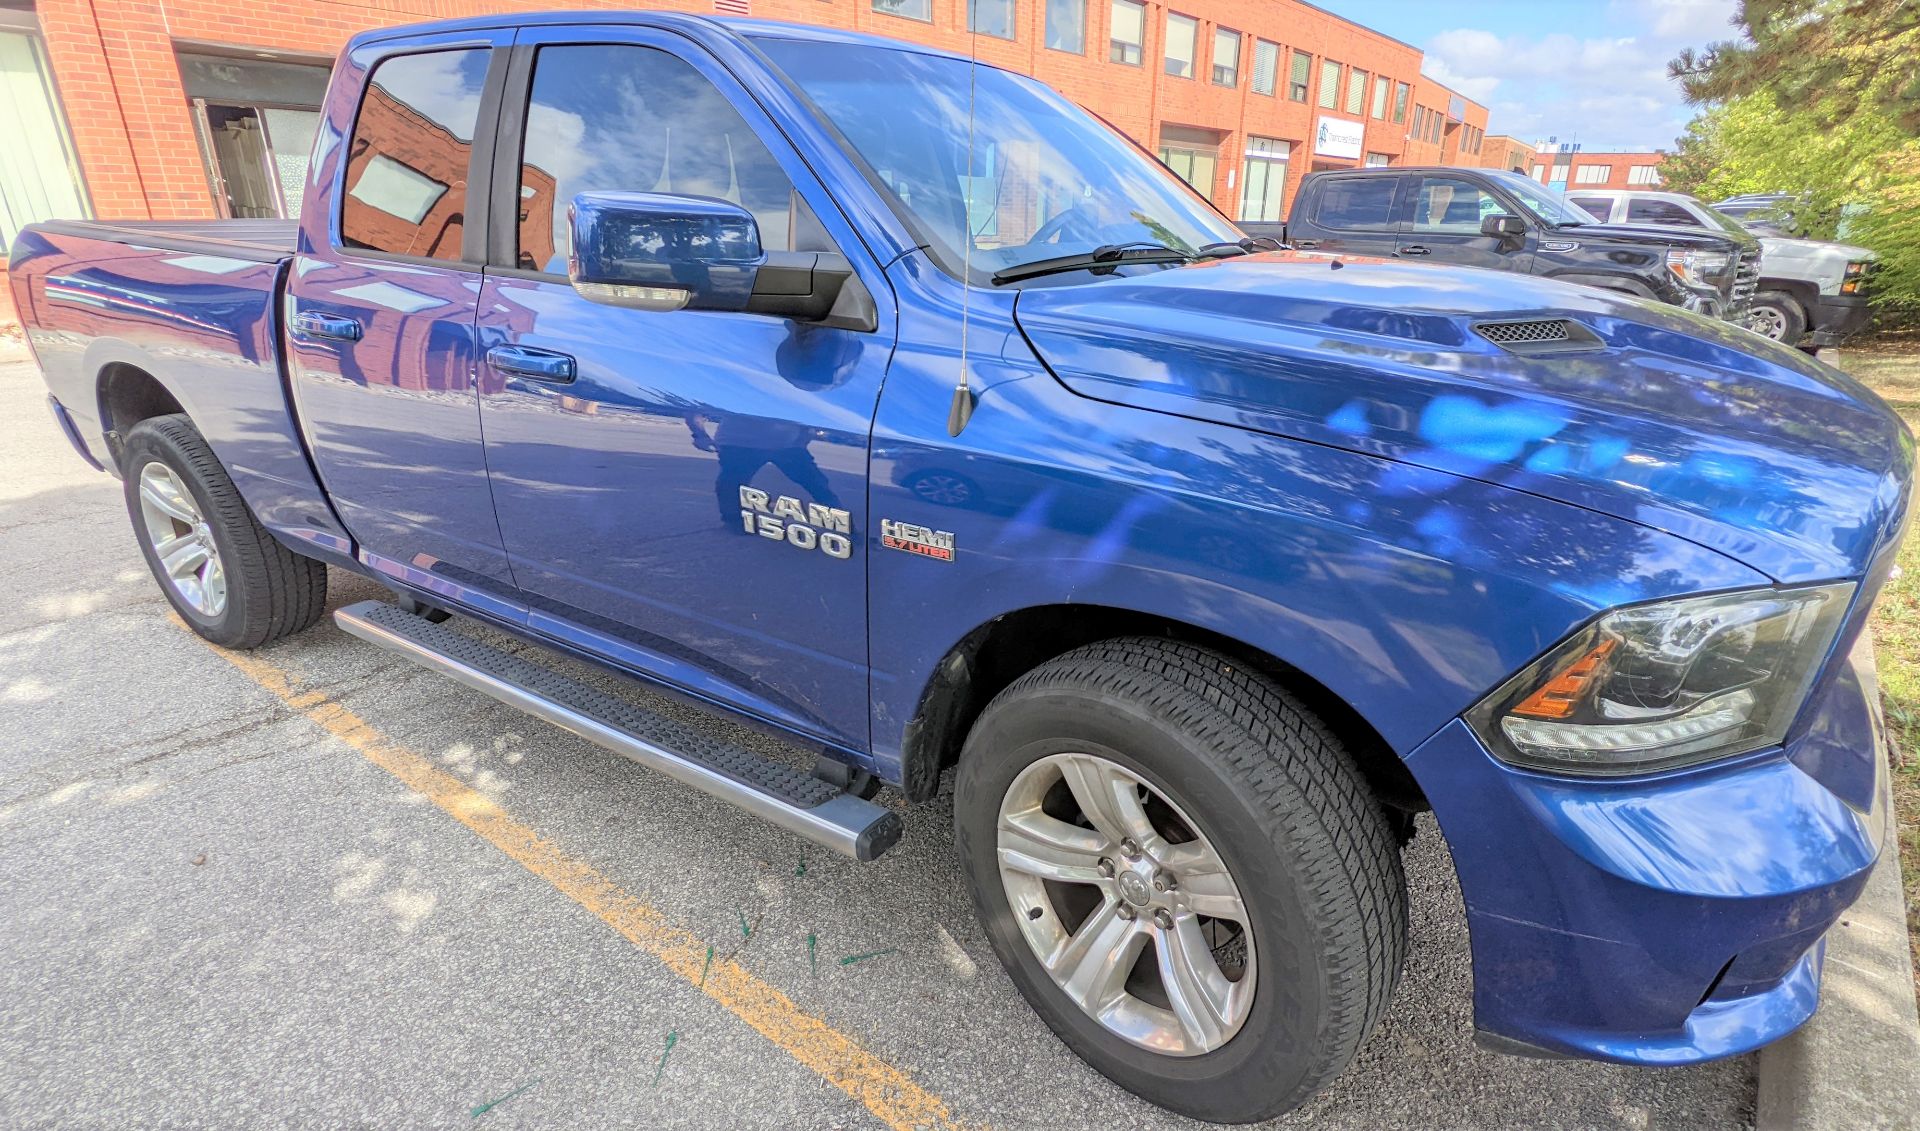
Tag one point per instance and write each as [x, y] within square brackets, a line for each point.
[1812, 293]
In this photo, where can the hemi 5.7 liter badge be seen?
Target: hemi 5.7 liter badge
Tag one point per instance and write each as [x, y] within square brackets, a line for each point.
[937, 544]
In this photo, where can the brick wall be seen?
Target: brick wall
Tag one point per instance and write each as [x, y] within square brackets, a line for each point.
[1618, 168]
[115, 69]
[1503, 152]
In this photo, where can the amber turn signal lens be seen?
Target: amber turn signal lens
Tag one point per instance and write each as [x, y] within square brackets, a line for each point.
[1559, 696]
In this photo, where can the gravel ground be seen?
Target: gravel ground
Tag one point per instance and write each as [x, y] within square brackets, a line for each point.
[217, 913]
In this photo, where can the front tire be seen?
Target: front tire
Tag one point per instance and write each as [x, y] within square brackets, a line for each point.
[1185, 874]
[1777, 315]
[219, 568]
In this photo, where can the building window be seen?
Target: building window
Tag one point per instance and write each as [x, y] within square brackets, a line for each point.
[1192, 155]
[1301, 70]
[1540, 173]
[909, 9]
[1592, 174]
[1226, 57]
[37, 179]
[1181, 31]
[1329, 84]
[1127, 33]
[1379, 160]
[1266, 66]
[407, 162]
[1356, 91]
[1400, 93]
[1263, 180]
[991, 17]
[1643, 174]
[1067, 25]
[1381, 86]
[1419, 123]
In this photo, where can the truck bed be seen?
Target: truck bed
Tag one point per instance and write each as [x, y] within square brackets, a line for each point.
[263, 240]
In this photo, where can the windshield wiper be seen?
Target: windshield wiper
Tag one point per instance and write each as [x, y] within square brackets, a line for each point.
[1246, 246]
[1104, 258]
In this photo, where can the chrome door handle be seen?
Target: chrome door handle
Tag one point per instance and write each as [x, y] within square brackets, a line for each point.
[538, 365]
[1415, 249]
[312, 324]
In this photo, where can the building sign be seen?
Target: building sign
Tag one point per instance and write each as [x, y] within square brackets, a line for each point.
[1337, 137]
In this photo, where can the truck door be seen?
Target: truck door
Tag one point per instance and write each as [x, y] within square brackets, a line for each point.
[1355, 215]
[1443, 224]
[688, 492]
[380, 318]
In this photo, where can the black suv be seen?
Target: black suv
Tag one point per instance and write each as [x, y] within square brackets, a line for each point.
[1506, 221]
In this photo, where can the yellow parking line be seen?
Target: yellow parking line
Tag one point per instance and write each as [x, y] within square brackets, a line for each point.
[886, 1091]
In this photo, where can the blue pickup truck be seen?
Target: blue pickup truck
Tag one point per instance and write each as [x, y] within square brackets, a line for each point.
[892, 403]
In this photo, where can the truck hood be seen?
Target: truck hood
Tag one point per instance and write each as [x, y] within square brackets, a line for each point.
[1669, 419]
[1660, 234]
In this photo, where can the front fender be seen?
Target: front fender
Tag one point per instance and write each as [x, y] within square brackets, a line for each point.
[1409, 593]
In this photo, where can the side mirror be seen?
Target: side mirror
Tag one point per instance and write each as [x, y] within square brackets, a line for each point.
[1504, 226]
[654, 251]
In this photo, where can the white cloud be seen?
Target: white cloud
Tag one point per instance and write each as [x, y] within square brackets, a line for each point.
[1607, 90]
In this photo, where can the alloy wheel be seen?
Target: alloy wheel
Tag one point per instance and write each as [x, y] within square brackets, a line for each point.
[182, 541]
[1127, 906]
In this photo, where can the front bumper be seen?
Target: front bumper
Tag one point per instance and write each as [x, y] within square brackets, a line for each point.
[1835, 318]
[1668, 919]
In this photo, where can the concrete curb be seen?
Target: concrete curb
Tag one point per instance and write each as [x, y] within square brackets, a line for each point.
[1856, 1064]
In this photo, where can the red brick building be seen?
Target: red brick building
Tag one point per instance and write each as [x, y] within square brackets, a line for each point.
[196, 108]
[1568, 169]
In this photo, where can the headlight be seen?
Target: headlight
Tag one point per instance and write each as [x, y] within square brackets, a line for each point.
[1855, 276]
[1696, 268]
[1651, 687]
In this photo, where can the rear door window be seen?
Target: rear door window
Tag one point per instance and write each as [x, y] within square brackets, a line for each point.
[411, 154]
[1659, 212]
[1599, 207]
[1356, 202]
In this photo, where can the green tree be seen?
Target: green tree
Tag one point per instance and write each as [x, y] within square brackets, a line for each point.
[1834, 58]
[1819, 99]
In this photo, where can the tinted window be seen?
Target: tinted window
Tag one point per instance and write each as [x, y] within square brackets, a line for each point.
[1449, 204]
[1659, 212]
[1600, 207]
[619, 117]
[407, 162]
[1356, 202]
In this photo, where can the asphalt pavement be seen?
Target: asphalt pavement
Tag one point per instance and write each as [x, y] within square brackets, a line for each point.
[316, 886]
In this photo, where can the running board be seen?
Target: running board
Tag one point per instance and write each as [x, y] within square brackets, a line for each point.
[791, 798]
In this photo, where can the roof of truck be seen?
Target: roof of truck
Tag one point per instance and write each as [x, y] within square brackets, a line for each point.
[685, 22]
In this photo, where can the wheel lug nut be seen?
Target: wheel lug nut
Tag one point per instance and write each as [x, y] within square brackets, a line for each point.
[1164, 918]
[1125, 911]
[1105, 868]
[1163, 881]
[1129, 849]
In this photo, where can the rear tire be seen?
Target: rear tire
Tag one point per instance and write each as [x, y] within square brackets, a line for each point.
[229, 579]
[1779, 316]
[1224, 766]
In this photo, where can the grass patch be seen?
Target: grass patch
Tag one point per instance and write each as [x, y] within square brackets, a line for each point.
[1892, 369]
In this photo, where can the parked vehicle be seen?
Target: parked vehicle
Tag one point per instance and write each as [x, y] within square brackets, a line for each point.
[1763, 213]
[1811, 294]
[1510, 222]
[716, 353]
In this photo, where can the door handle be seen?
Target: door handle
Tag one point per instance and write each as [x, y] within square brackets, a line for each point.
[1414, 249]
[538, 365]
[313, 324]
[1308, 245]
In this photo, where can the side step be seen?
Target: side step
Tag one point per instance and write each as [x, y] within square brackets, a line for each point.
[793, 799]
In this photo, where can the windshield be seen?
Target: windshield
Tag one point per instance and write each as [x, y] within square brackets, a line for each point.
[1542, 201]
[1045, 179]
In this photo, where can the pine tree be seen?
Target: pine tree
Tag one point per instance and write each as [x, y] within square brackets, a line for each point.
[1832, 58]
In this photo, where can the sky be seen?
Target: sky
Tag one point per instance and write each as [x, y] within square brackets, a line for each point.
[1587, 71]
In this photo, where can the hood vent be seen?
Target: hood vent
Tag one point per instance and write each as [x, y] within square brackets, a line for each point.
[1539, 335]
